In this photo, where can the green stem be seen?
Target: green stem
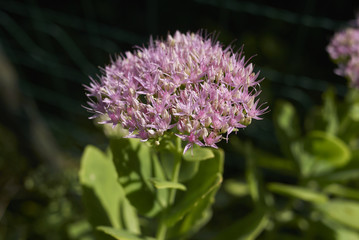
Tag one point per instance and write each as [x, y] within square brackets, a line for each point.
[176, 170]
[162, 230]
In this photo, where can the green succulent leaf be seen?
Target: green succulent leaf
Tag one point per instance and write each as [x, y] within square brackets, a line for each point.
[319, 153]
[341, 176]
[345, 234]
[188, 169]
[297, 192]
[247, 228]
[236, 188]
[102, 194]
[330, 112]
[79, 230]
[120, 234]
[276, 163]
[193, 198]
[136, 164]
[104, 199]
[129, 217]
[286, 124]
[253, 177]
[198, 154]
[160, 184]
[342, 191]
[344, 212]
[338, 230]
[325, 117]
[192, 209]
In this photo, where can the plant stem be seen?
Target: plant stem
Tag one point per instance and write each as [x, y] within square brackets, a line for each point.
[162, 230]
[176, 170]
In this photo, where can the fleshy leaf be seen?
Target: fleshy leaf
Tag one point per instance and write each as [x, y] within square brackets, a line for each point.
[129, 217]
[286, 125]
[342, 191]
[192, 198]
[251, 175]
[79, 230]
[236, 188]
[101, 192]
[297, 192]
[342, 211]
[160, 184]
[192, 208]
[247, 228]
[195, 219]
[120, 234]
[102, 195]
[341, 232]
[253, 179]
[341, 176]
[272, 162]
[325, 117]
[330, 112]
[136, 164]
[345, 234]
[198, 154]
[320, 152]
[265, 159]
[188, 169]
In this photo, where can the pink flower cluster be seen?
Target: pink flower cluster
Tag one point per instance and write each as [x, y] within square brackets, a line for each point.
[344, 50]
[186, 84]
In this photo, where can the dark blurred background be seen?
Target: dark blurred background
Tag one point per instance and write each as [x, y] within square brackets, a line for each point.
[48, 50]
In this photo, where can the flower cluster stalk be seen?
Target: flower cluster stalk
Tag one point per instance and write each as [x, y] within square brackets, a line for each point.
[162, 228]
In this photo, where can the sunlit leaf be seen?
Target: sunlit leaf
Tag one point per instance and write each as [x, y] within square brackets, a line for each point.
[338, 230]
[160, 184]
[101, 192]
[129, 217]
[343, 211]
[198, 154]
[346, 234]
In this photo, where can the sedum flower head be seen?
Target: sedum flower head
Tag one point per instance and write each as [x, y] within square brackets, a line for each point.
[344, 50]
[187, 84]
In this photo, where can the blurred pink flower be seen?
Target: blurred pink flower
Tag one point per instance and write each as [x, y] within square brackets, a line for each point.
[344, 50]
